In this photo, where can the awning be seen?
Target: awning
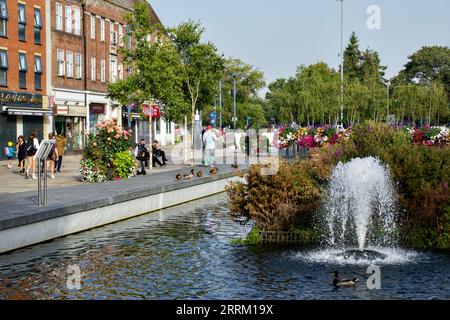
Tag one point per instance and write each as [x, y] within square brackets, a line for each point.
[16, 111]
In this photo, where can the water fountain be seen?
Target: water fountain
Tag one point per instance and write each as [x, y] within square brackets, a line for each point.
[360, 214]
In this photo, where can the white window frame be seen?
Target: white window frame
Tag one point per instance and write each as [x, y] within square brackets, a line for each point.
[120, 35]
[102, 70]
[120, 71]
[102, 29]
[93, 69]
[68, 19]
[112, 35]
[76, 21]
[60, 63]
[78, 66]
[112, 69]
[59, 16]
[69, 64]
[93, 27]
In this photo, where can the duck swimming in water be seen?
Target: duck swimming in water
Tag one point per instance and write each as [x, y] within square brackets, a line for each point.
[349, 282]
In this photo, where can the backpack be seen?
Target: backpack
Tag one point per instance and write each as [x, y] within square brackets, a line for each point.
[7, 152]
[29, 147]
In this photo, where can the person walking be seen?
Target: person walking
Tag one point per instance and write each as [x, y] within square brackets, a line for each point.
[209, 139]
[61, 144]
[32, 146]
[52, 156]
[21, 153]
[10, 152]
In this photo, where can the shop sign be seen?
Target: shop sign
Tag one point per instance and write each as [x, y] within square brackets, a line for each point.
[77, 111]
[19, 99]
[97, 109]
[62, 110]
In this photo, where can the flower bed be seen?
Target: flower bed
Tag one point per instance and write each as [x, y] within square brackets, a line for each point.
[311, 137]
[108, 154]
[429, 136]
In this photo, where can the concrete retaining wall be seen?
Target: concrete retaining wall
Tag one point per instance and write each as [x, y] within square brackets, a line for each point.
[32, 233]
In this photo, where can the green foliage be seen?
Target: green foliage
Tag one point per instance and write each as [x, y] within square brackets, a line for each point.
[104, 145]
[124, 164]
[253, 238]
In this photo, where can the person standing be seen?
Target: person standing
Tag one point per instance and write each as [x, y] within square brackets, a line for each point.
[209, 139]
[61, 144]
[21, 153]
[9, 152]
[31, 149]
[52, 156]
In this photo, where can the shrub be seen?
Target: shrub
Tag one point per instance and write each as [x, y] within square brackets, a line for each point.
[103, 146]
[124, 165]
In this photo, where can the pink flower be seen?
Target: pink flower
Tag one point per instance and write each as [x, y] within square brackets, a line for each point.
[126, 138]
[94, 144]
[117, 136]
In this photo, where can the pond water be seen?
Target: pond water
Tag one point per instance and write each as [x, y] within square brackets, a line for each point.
[186, 252]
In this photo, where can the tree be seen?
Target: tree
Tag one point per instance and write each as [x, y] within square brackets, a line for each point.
[427, 65]
[352, 56]
[156, 68]
[200, 66]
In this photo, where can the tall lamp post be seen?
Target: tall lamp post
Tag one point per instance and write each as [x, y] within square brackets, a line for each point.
[388, 102]
[342, 62]
[234, 118]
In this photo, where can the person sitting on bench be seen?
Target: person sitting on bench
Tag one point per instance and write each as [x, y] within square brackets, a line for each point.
[158, 153]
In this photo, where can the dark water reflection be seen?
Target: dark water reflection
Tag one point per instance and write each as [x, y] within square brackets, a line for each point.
[186, 253]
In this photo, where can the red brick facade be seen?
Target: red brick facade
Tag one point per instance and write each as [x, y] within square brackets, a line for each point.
[12, 45]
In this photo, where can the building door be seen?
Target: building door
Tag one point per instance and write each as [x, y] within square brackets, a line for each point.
[7, 132]
[31, 123]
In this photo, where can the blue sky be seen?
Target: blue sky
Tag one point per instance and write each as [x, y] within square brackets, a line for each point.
[278, 36]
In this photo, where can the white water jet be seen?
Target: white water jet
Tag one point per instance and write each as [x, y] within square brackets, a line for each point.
[361, 195]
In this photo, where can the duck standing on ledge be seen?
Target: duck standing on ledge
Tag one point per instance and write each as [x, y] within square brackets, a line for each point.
[189, 175]
[235, 166]
[214, 171]
[349, 282]
[199, 174]
[179, 177]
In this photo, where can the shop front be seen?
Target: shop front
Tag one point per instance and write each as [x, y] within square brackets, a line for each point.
[70, 122]
[20, 114]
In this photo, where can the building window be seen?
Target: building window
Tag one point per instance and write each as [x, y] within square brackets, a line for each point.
[3, 18]
[3, 68]
[22, 70]
[61, 63]
[69, 64]
[22, 21]
[76, 21]
[59, 16]
[112, 69]
[93, 68]
[78, 72]
[92, 27]
[102, 70]
[128, 38]
[120, 35]
[68, 19]
[37, 72]
[37, 25]
[120, 71]
[102, 30]
[112, 34]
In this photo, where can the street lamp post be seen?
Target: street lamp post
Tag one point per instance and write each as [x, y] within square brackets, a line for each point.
[388, 102]
[342, 62]
[220, 105]
[234, 118]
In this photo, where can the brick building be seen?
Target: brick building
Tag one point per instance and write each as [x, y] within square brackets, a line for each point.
[23, 82]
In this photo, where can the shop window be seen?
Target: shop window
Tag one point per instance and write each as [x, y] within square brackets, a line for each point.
[3, 68]
[22, 70]
[22, 21]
